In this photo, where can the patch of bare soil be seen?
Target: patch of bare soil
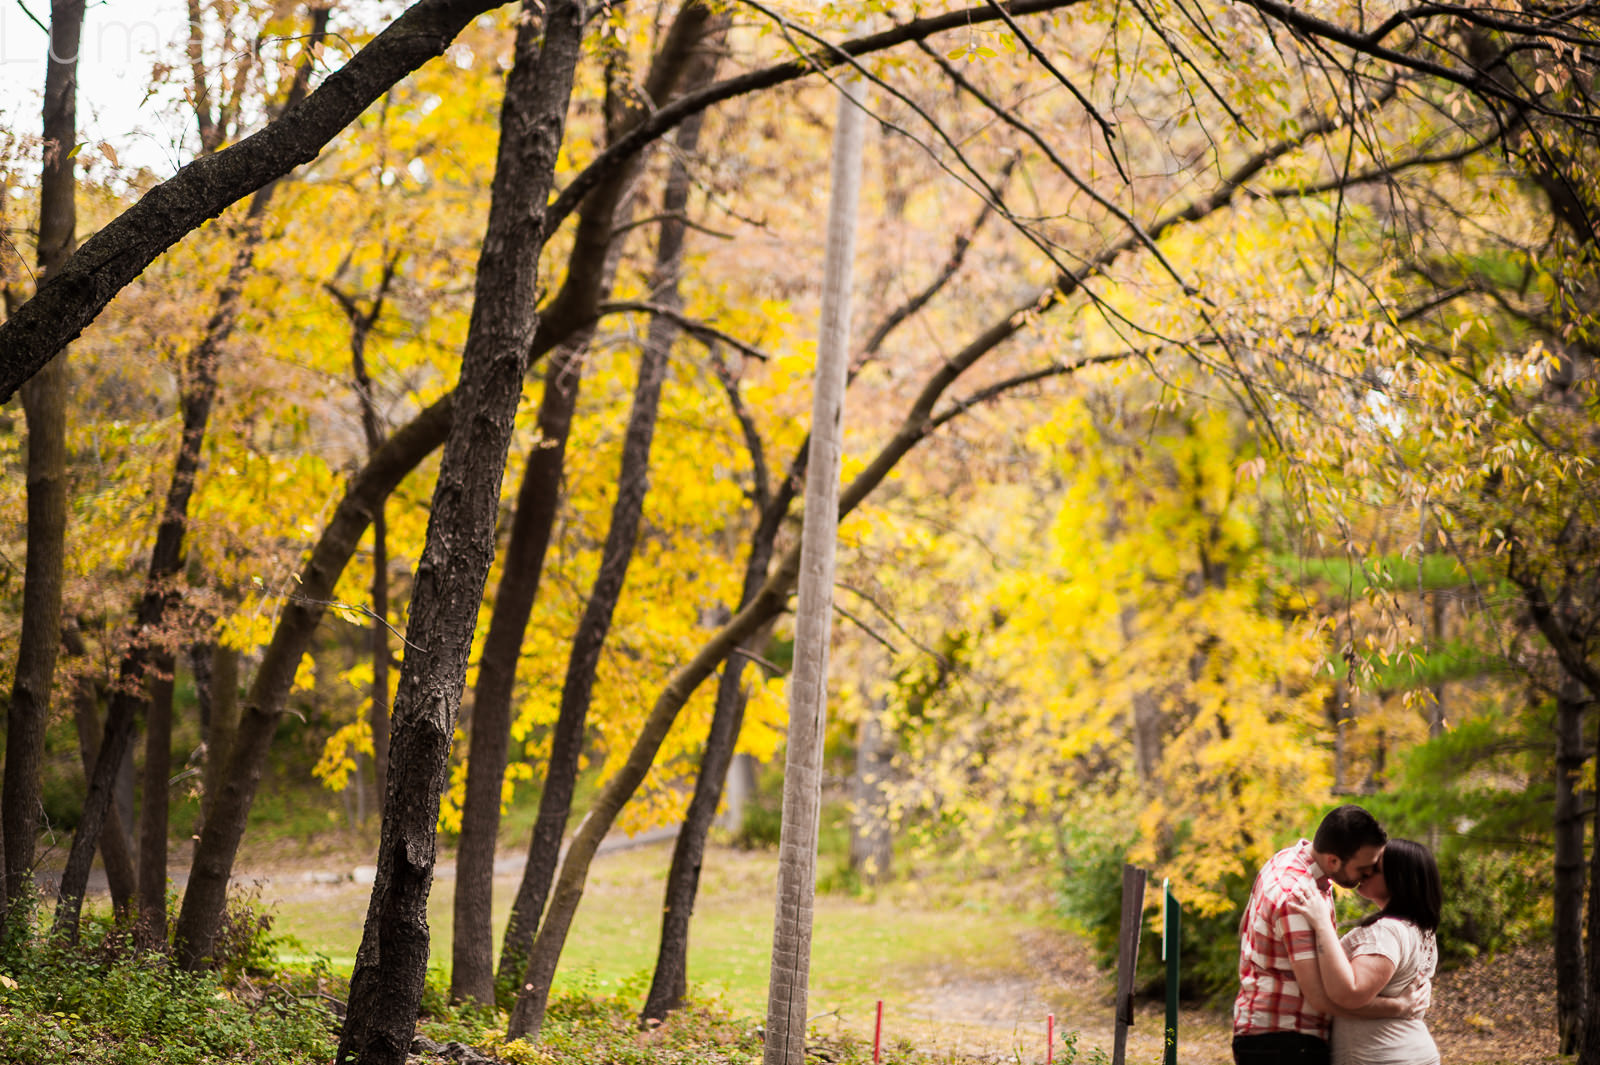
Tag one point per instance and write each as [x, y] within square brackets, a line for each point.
[1502, 1009]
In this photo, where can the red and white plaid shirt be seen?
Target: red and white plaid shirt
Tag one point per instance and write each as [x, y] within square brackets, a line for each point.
[1270, 937]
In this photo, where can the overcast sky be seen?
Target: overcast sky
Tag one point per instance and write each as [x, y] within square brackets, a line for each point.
[121, 39]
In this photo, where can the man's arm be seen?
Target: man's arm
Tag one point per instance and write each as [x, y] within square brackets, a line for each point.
[1414, 1003]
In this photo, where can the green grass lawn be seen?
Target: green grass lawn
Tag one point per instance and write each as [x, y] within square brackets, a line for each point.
[862, 951]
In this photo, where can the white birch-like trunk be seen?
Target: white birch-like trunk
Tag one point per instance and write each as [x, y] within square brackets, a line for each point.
[802, 783]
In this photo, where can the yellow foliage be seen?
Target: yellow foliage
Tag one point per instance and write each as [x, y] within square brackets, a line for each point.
[305, 677]
[339, 751]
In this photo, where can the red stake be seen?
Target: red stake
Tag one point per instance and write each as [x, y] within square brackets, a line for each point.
[877, 1033]
[1049, 1038]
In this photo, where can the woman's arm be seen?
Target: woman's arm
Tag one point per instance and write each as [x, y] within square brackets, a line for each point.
[1349, 985]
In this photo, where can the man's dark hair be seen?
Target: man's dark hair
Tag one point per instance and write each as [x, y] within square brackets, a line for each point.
[1412, 877]
[1346, 830]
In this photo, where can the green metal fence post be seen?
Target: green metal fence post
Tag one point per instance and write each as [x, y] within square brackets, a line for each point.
[1171, 926]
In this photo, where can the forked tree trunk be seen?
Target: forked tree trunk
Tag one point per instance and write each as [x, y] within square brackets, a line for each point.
[802, 785]
[44, 405]
[680, 61]
[472, 975]
[392, 962]
[670, 982]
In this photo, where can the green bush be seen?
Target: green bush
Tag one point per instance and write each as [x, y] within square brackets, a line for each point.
[1491, 902]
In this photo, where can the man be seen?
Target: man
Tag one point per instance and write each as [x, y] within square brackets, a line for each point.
[1281, 1013]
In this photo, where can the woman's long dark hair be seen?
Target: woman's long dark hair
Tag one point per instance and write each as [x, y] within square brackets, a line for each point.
[1412, 877]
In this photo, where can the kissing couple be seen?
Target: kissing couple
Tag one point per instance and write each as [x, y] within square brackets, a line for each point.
[1308, 996]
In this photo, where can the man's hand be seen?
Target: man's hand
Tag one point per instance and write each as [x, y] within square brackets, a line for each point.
[1417, 998]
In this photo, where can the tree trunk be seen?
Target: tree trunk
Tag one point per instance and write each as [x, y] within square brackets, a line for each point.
[680, 59]
[361, 324]
[151, 929]
[223, 723]
[1569, 866]
[741, 786]
[472, 947]
[44, 404]
[391, 964]
[116, 851]
[802, 786]
[871, 832]
[1145, 718]
[1589, 1047]
[670, 982]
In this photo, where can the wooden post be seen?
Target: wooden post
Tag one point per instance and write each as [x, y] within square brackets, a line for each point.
[1171, 927]
[1133, 880]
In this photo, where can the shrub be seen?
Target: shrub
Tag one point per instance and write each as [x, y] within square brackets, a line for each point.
[101, 1002]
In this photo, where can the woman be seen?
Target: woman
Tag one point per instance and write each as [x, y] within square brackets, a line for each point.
[1384, 955]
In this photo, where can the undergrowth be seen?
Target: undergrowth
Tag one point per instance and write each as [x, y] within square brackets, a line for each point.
[102, 1002]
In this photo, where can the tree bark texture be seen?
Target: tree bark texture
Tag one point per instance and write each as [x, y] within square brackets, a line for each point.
[391, 964]
[44, 404]
[808, 685]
